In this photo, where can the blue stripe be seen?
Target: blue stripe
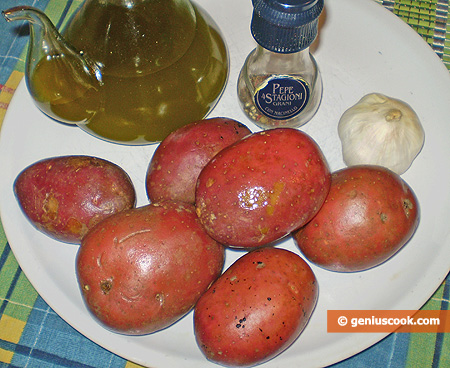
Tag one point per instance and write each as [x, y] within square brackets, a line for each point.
[13, 283]
[6, 365]
[440, 336]
[64, 14]
[41, 355]
[48, 357]
[4, 255]
[6, 345]
[445, 304]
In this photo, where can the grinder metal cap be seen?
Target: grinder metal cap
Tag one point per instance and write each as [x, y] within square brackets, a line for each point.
[285, 26]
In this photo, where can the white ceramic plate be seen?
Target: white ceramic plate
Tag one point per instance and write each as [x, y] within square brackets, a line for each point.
[362, 48]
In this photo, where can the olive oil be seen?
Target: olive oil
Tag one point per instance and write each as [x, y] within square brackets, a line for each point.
[140, 99]
[56, 93]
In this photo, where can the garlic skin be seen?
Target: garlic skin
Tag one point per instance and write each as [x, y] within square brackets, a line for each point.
[381, 130]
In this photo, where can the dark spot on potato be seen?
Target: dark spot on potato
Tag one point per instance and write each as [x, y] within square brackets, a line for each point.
[160, 298]
[407, 206]
[260, 265]
[106, 286]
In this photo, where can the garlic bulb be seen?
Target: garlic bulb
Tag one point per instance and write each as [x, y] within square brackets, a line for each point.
[380, 130]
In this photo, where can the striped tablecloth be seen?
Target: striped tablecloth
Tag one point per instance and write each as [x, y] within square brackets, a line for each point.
[33, 335]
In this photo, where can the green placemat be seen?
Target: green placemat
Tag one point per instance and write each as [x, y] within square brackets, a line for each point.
[429, 19]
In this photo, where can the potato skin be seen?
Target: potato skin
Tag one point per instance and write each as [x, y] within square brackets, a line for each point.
[174, 168]
[65, 196]
[142, 269]
[262, 188]
[256, 309]
[369, 214]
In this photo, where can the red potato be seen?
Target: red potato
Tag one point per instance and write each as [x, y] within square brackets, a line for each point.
[369, 214]
[65, 196]
[173, 171]
[256, 309]
[262, 188]
[141, 270]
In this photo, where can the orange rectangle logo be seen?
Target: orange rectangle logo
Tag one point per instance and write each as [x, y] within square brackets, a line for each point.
[374, 321]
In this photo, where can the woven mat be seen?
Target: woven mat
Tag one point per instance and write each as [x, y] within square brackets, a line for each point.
[33, 335]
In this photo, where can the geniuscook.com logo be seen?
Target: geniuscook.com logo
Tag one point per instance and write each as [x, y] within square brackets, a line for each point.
[282, 97]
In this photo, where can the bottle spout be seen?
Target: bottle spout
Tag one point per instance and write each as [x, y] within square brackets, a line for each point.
[59, 78]
[37, 19]
[24, 12]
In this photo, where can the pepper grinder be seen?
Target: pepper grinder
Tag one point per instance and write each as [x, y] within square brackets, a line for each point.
[280, 83]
